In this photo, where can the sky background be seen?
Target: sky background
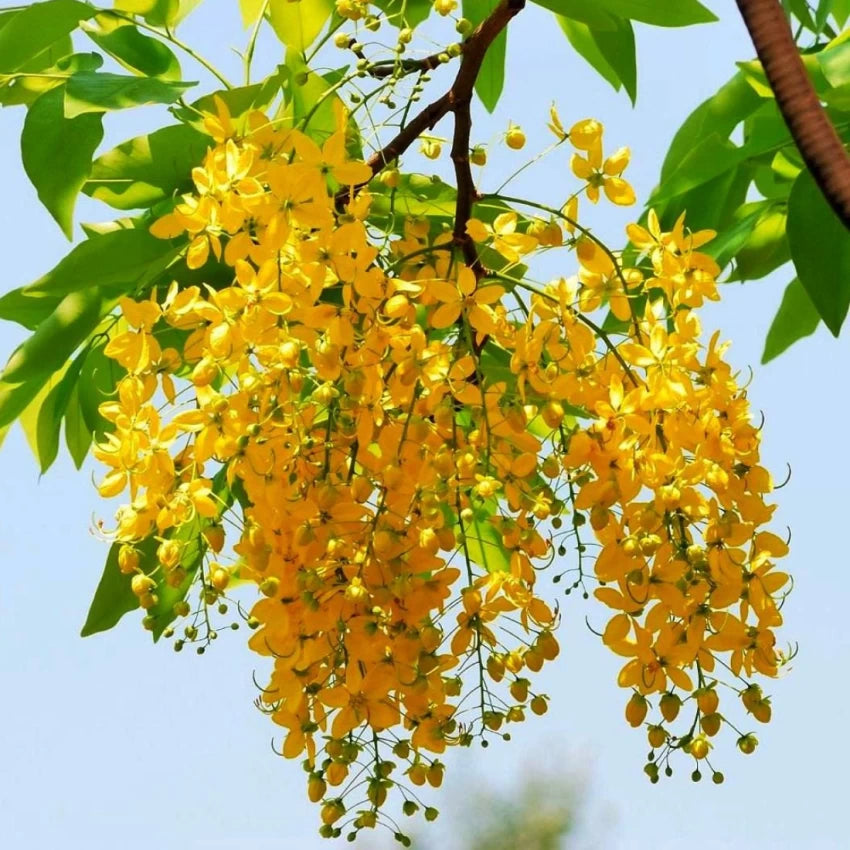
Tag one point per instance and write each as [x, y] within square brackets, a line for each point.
[109, 742]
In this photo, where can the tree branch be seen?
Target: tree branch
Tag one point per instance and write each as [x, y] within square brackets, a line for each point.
[810, 127]
[474, 50]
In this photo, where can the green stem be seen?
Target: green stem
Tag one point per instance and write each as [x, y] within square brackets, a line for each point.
[252, 41]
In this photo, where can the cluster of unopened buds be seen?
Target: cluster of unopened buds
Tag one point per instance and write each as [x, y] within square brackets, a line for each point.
[399, 443]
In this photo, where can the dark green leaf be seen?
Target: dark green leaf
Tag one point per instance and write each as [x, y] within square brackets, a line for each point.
[610, 50]
[36, 28]
[78, 437]
[98, 378]
[47, 430]
[56, 338]
[93, 92]
[795, 319]
[581, 38]
[118, 262]
[148, 169]
[731, 238]
[820, 248]
[618, 47]
[51, 411]
[47, 132]
[114, 598]
[766, 248]
[138, 53]
[491, 78]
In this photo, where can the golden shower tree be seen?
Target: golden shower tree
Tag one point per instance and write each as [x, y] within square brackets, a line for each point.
[339, 408]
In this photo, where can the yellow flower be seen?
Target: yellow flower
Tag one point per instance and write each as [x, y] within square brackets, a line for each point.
[465, 298]
[506, 239]
[604, 175]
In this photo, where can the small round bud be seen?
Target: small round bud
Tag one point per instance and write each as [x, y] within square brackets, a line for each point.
[515, 138]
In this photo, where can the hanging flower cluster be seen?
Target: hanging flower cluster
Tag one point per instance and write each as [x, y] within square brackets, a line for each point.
[398, 453]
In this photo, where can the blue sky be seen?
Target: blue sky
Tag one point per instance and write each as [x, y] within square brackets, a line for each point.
[111, 742]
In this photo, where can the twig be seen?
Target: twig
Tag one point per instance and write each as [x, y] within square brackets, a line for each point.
[474, 50]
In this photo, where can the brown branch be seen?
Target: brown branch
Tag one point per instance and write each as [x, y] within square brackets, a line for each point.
[810, 127]
[473, 51]
[466, 191]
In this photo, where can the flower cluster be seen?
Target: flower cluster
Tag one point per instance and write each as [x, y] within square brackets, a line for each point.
[398, 452]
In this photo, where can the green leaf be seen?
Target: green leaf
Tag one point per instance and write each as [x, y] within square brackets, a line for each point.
[820, 248]
[56, 338]
[715, 155]
[841, 11]
[26, 89]
[138, 53]
[51, 411]
[28, 419]
[78, 436]
[308, 98]
[114, 598]
[119, 261]
[609, 50]
[46, 131]
[766, 248]
[48, 427]
[580, 36]
[591, 14]
[491, 78]
[662, 13]
[719, 114]
[250, 10]
[417, 195]
[35, 29]
[730, 239]
[299, 22]
[835, 63]
[415, 11]
[98, 378]
[195, 547]
[795, 319]
[14, 398]
[27, 309]
[148, 169]
[20, 89]
[484, 541]
[238, 101]
[93, 92]
[618, 47]
[158, 12]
